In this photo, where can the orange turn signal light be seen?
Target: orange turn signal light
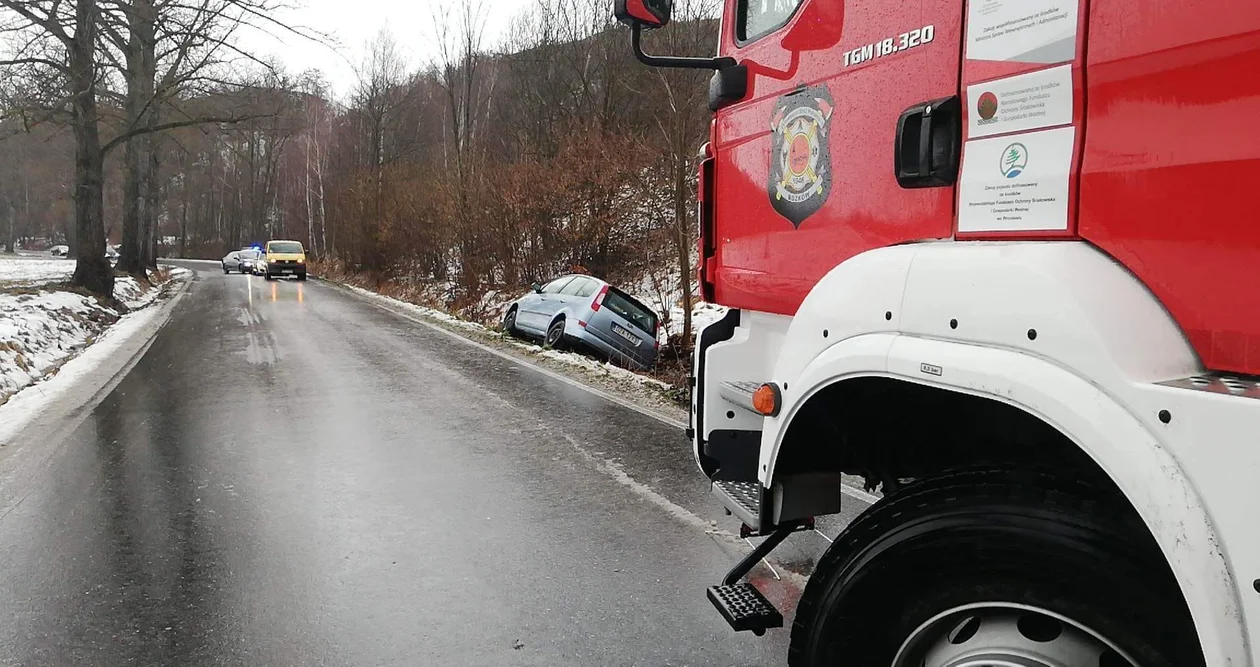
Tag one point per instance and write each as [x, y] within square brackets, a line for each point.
[766, 399]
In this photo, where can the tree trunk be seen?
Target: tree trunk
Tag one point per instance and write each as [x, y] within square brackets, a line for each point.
[9, 245]
[92, 271]
[183, 227]
[682, 241]
[130, 256]
[140, 106]
[152, 197]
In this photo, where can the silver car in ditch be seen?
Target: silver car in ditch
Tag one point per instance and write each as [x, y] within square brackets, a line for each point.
[577, 311]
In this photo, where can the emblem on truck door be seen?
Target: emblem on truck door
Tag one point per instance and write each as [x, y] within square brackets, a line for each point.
[800, 158]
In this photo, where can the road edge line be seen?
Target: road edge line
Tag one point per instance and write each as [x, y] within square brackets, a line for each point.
[384, 303]
[381, 301]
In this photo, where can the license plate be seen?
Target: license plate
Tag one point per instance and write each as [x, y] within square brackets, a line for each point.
[621, 331]
[287, 270]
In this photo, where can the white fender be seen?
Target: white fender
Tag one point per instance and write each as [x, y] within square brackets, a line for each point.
[1061, 331]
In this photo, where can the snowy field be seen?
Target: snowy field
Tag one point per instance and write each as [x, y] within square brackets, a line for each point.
[22, 271]
[42, 327]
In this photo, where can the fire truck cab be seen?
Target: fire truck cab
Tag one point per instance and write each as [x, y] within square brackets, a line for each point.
[1000, 259]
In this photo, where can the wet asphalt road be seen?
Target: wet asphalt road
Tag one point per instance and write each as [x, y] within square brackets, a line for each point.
[293, 476]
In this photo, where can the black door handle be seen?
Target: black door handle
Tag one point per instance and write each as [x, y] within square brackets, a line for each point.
[929, 138]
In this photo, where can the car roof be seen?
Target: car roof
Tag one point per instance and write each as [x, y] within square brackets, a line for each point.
[583, 275]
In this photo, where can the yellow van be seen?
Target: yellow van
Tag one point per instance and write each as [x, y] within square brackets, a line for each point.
[284, 258]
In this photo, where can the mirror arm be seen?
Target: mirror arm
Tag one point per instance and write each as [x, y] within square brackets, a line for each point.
[636, 33]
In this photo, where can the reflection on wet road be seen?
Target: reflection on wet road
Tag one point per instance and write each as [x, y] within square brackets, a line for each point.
[292, 476]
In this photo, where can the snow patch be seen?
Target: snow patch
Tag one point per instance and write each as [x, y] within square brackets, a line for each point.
[702, 314]
[18, 271]
[27, 404]
[597, 367]
[41, 327]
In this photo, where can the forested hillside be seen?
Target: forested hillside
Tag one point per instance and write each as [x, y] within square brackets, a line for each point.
[480, 170]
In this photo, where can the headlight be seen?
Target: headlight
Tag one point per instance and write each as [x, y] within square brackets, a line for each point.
[301, 260]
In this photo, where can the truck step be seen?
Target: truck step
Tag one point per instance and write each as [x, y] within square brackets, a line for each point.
[1219, 383]
[745, 608]
[742, 499]
[740, 393]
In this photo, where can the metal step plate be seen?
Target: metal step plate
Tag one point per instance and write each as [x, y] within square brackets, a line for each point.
[743, 499]
[1218, 383]
[745, 608]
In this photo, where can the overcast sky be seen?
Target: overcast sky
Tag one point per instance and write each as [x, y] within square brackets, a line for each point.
[353, 23]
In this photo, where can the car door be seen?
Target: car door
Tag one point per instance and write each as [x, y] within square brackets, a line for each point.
[552, 300]
[571, 295]
[536, 310]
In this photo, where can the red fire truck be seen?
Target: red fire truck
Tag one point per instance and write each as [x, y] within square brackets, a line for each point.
[1000, 258]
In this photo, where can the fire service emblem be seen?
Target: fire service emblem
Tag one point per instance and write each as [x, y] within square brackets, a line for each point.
[800, 159]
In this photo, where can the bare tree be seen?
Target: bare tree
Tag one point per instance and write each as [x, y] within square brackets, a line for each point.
[460, 31]
[61, 38]
[169, 48]
[683, 123]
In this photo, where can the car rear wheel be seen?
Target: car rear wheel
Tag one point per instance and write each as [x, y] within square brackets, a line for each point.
[994, 567]
[555, 335]
[225, 271]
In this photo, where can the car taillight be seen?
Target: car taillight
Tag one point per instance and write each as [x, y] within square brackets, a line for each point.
[599, 299]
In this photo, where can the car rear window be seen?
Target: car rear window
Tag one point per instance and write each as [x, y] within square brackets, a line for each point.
[284, 247]
[626, 306]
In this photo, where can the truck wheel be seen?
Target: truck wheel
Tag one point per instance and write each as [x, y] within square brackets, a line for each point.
[995, 566]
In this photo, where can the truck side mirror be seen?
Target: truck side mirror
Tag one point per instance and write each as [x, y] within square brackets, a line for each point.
[644, 13]
[648, 14]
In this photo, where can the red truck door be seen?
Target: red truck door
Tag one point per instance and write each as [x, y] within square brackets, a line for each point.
[804, 171]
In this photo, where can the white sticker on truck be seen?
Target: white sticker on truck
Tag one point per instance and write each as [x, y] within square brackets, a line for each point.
[1017, 182]
[1020, 103]
[1028, 31]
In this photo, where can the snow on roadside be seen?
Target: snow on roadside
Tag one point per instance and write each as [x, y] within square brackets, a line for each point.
[593, 365]
[43, 325]
[21, 271]
[26, 405]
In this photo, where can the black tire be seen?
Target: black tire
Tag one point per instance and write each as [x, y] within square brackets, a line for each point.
[1001, 538]
[555, 335]
[509, 323]
[301, 276]
[225, 271]
[268, 276]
